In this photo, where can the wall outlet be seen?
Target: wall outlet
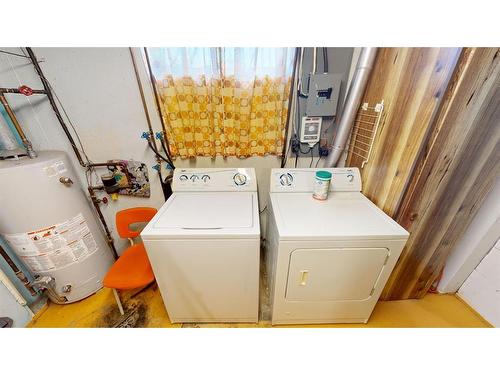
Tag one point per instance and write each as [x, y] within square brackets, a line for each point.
[323, 149]
[295, 145]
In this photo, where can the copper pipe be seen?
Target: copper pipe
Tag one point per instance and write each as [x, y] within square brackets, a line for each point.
[95, 202]
[5, 90]
[27, 144]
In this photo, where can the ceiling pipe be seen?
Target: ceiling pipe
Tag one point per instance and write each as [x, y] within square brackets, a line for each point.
[352, 102]
[48, 92]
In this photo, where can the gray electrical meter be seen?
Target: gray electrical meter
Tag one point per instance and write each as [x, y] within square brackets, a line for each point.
[324, 89]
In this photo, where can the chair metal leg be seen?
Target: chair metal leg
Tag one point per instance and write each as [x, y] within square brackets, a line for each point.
[118, 302]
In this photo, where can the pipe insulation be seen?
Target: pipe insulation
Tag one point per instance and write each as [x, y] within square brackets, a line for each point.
[26, 142]
[351, 105]
[12, 289]
[7, 139]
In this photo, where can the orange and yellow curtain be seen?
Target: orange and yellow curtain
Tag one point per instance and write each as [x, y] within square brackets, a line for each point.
[223, 101]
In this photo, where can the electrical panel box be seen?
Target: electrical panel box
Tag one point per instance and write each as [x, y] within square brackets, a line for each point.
[324, 89]
[310, 131]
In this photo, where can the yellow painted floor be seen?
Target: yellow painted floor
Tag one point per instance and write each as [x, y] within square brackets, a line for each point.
[146, 309]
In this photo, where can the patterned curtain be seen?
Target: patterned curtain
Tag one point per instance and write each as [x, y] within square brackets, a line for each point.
[223, 101]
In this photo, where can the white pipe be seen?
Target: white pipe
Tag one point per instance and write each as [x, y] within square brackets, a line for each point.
[7, 140]
[315, 58]
[352, 102]
[299, 74]
[12, 289]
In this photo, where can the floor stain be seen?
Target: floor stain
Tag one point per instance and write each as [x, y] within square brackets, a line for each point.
[136, 313]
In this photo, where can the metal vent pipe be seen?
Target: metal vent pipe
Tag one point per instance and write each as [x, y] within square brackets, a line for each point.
[352, 102]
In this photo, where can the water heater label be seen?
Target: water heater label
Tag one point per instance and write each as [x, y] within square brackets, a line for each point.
[55, 169]
[54, 247]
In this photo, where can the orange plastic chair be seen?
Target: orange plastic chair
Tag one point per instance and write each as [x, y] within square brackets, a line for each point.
[132, 269]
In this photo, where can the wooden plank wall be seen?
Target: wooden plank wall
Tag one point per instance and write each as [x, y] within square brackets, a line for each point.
[453, 173]
[411, 81]
[436, 153]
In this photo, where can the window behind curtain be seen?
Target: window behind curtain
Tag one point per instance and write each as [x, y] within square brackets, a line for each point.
[223, 101]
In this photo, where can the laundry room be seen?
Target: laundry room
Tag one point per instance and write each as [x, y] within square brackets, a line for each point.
[327, 185]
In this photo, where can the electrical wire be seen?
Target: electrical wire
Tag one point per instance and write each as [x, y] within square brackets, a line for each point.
[77, 135]
[13, 54]
[158, 154]
[297, 107]
[300, 75]
[285, 159]
[312, 158]
[324, 130]
[165, 150]
[317, 162]
[325, 60]
[261, 211]
[295, 111]
[290, 111]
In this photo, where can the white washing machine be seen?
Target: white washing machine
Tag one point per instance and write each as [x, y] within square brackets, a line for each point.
[327, 261]
[203, 245]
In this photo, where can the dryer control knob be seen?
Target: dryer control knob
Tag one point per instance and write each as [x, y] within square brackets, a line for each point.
[240, 179]
[205, 177]
[194, 177]
[183, 177]
[350, 177]
[286, 179]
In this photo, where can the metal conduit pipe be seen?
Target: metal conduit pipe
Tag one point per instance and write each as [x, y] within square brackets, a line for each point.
[352, 102]
[53, 104]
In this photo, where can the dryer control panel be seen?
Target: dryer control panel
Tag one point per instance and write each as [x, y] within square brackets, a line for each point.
[214, 179]
[301, 180]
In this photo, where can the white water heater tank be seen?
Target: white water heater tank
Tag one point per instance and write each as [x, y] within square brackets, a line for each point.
[48, 222]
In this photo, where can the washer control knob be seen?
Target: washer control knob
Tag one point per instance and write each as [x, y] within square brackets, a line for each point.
[240, 179]
[205, 177]
[194, 177]
[183, 177]
[286, 179]
[350, 177]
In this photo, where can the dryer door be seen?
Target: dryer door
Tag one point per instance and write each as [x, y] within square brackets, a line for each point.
[334, 274]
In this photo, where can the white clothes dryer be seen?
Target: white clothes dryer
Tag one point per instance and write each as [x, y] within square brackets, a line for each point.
[327, 261]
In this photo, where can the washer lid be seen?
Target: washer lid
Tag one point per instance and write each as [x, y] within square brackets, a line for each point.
[206, 214]
[208, 211]
[344, 215]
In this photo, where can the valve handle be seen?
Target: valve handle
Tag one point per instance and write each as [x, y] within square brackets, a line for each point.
[25, 90]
